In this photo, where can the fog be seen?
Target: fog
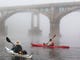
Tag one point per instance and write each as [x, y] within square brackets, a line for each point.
[19, 24]
[4, 3]
[70, 29]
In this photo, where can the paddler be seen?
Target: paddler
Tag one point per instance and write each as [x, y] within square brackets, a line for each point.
[18, 48]
[50, 42]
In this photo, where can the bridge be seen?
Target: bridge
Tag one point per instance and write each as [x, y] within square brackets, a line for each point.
[54, 11]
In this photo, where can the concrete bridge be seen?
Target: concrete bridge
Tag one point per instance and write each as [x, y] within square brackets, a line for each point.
[53, 11]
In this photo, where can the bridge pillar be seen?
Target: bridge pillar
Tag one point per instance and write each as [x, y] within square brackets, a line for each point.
[55, 30]
[35, 24]
[54, 26]
[2, 28]
[2, 36]
[37, 20]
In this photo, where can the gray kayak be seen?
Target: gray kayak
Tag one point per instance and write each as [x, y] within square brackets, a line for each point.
[16, 54]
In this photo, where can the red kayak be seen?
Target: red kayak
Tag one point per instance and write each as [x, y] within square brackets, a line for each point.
[42, 45]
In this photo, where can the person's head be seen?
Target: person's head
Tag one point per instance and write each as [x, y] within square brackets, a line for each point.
[50, 40]
[17, 42]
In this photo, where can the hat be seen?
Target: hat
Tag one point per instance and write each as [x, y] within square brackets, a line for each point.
[17, 41]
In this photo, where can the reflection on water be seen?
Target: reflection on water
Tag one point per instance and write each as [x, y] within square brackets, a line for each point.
[49, 54]
[40, 53]
[45, 53]
[17, 58]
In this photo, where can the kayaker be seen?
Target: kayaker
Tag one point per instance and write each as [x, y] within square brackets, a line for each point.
[50, 43]
[18, 48]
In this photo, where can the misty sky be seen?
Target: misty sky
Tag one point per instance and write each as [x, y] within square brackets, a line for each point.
[4, 3]
[70, 29]
[19, 25]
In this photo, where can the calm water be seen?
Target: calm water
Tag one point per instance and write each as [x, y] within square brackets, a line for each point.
[43, 53]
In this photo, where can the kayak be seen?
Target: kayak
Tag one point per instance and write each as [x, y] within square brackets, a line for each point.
[43, 45]
[16, 54]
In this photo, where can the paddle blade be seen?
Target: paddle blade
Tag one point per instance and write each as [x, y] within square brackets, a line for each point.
[8, 39]
[54, 35]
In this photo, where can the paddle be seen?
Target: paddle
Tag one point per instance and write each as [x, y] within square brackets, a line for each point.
[8, 40]
[54, 36]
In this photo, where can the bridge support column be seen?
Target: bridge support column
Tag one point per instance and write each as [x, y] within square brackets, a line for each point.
[55, 30]
[35, 24]
[2, 37]
[37, 20]
[2, 28]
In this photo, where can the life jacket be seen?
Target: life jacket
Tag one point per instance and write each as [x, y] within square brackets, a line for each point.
[17, 48]
[51, 43]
